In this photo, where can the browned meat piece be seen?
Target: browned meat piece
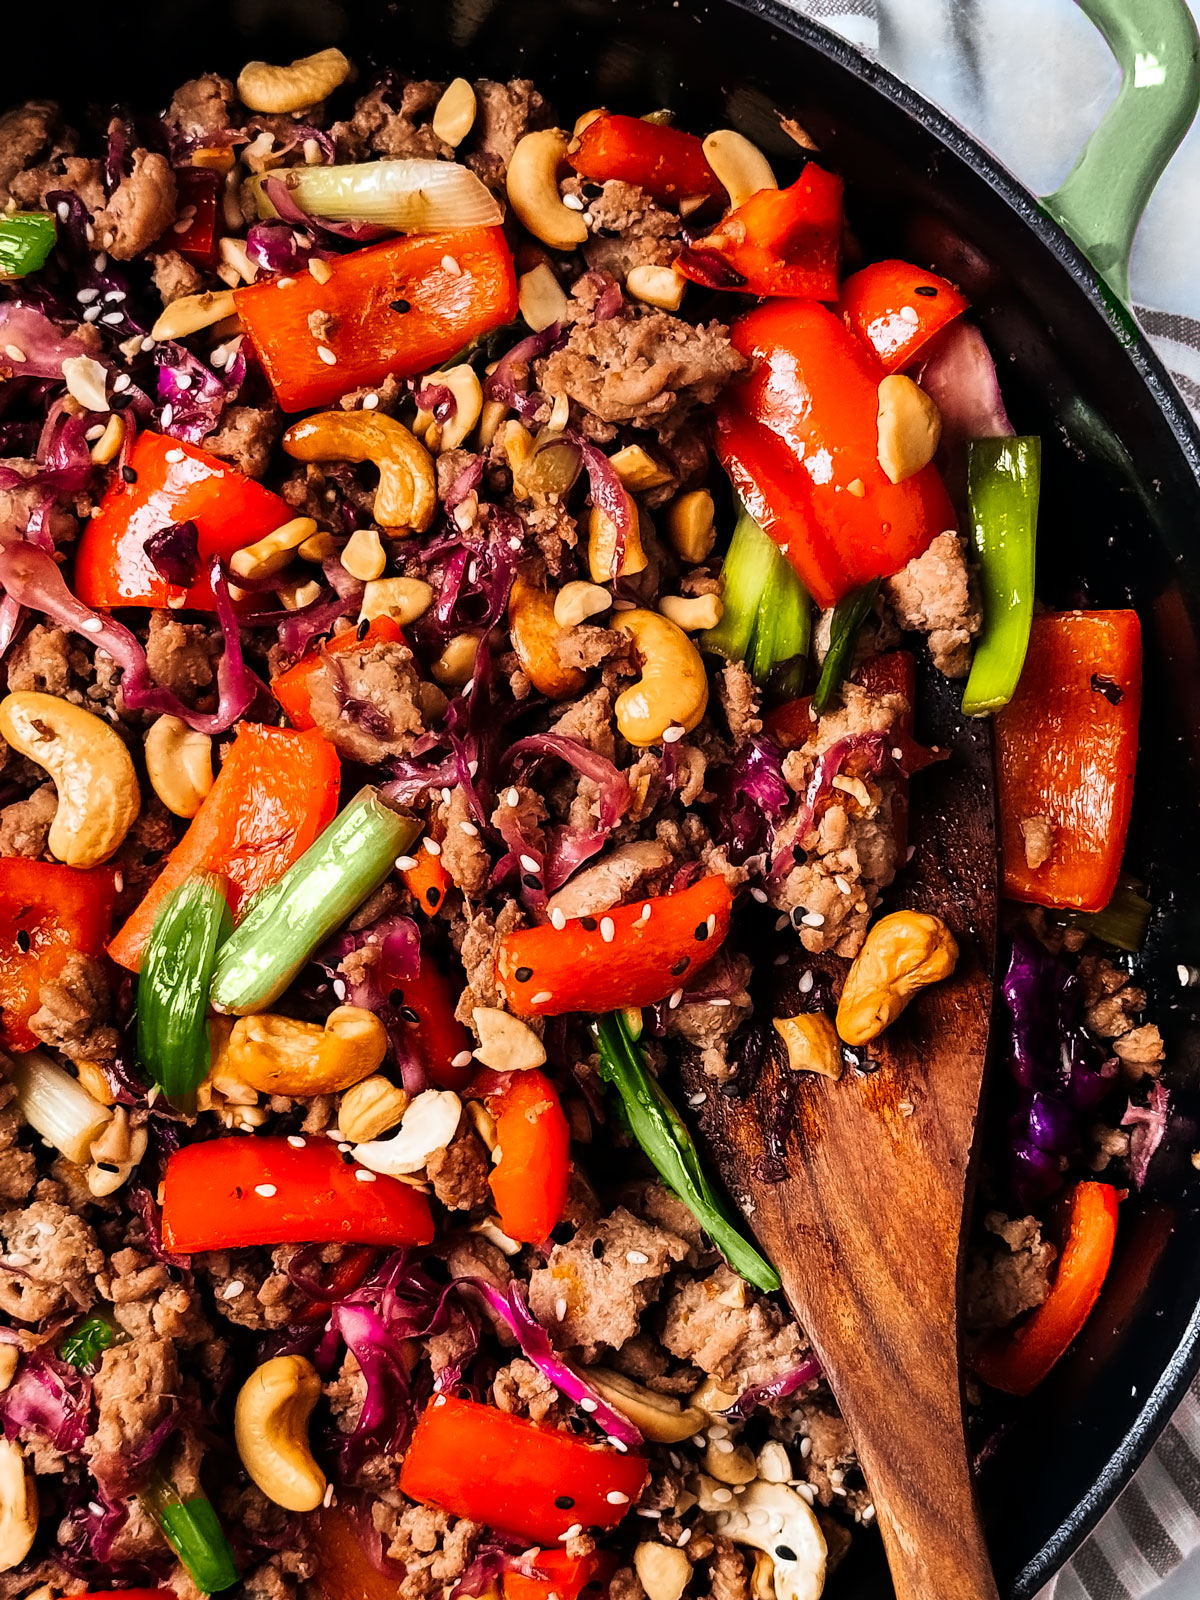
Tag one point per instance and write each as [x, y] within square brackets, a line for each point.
[201, 106]
[521, 1389]
[648, 369]
[251, 1287]
[730, 1332]
[26, 132]
[555, 532]
[25, 825]
[1007, 1273]
[18, 505]
[739, 700]
[709, 1026]
[41, 662]
[31, 190]
[625, 1585]
[367, 702]
[727, 1576]
[628, 229]
[934, 595]
[73, 1011]
[1141, 1051]
[478, 935]
[586, 646]
[146, 1300]
[181, 654]
[611, 880]
[139, 860]
[432, 1547]
[592, 1291]
[830, 1452]
[174, 277]
[504, 113]
[18, 1169]
[1037, 839]
[590, 719]
[37, 156]
[140, 209]
[51, 1258]
[464, 854]
[135, 1389]
[459, 1173]
[378, 126]
[246, 437]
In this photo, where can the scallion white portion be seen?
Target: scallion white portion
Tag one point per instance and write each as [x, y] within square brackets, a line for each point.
[57, 1106]
[410, 196]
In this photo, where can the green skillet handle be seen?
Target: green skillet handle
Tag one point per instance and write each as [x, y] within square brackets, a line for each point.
[1102, 200]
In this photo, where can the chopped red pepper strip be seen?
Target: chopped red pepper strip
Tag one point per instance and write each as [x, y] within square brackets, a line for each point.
[667, 163]
[251, 1190]
[514, 1475]
[293, 688]
[436, 1037]
[529, 1182]
[1066, 750]
[633, 955]
[47, 911]
[276, 790]
[171, 482]
[197, 195]
[779, 242]
[344, 1275]
[401, 307]
[1018, 1360]
[799, 438]
[896, 308]
[566, 1576]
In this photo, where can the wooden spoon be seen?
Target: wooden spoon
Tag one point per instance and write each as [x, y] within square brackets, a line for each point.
[857, 1189]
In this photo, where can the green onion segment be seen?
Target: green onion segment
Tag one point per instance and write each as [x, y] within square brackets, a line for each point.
[767, 618]
[84, 1346]
[1004, 479]
[663, 1135]
[848, 617]
[192, 1530]
[26, 240]
[57, 1106]
[172, 993]
[1122, 922]
[288, 921]
[412, 196]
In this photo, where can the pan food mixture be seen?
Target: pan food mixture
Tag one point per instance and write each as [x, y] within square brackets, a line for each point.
[466, 580]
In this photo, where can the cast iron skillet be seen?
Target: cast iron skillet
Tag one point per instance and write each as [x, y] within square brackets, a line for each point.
[1120, 513]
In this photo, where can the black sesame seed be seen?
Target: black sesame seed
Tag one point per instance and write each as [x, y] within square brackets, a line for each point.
[1111, 691]
[523, 974]
[108, 1166]
[433, 896]
[407, 1014]
[23, 940]
[118, 402]
[347, 1156]
[798, 915]
[597, 1248]
[237, 1192]
[927, 289]
[680, 967]
[589, 923]
[401, 306]
[363, 629]
[562, 1232]
[396, 997]
[702, 931]
[785, 1552]
[129, 474]
[564, 1502]
[577, 1425]
[531, 880]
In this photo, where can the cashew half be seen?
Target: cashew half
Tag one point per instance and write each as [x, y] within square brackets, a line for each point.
[404, 599]
[279, 1055]
[270, 1427]
[191, 312]
[115, 1153]
[637, 468]
[664, 1570]
[659, 1416]
[656, 286]
[541, 298]
[576, 601]
[903, 953]
[693, 612]
[533, 190]
[506, 1044]
[602, 545]
[274, 551]
[364, 557]
[407, 494]
[773, 1518]
[812, 1043]
[909, 427]
[454, 114]
[535, 636]
[691, 525]
[179, 765]
[429, 1124]
[370, 1108]
[18, 1506]
[463, 383]
[98, 795]
[740, 165]
[672, 691]
[263, 87]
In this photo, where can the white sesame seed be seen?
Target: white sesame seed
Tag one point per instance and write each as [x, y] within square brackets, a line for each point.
[364, 1176]
[649, 1511]
[462, 1059]
[327, 1497]
[587, 1405]
[267, 1190]
[168, 416]
[431, 846]
[92, 314]
[64, 210]
[284, 283]
[697, 1099]
[296, 1142]
[115, 296]
[92, 625]
[172, 455]
[100, 262]
[446, 795]
[711, 923]
[469, 829]
[780, 924]
[813, 919]
[530, 864]
[327, 355]
[673, 733]
[616, 1498]
[232, 1289]
[370, 401]
[558, 917]
[608, 930]
[673, 1002]
[684, 1537]
[573, 202]
[15, 353]
[339, 988]
[722, 1496]
[451, 266]
[618, 1444]
[113, 317]
[573, 1531]
[560, 1308]
[95, 433]
[513, 797]
[723, 1447]
[147, 344]
[720, 1001]
[183, 380]
[344, 1147]
[405, 863]
[897, 753]
[843, 886]
[121, 382]
[806, 982]
[909, 314]
[541, 997]
[95, 1508]
[645, 916]
[636, 1258]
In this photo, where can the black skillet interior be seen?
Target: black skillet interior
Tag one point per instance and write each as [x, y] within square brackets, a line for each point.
[1121, 504]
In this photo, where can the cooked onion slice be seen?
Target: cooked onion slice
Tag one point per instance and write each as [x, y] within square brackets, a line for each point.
[410, 196]
[57, 1106]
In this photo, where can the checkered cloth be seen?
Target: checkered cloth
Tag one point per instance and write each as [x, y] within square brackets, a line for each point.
[1030, 79]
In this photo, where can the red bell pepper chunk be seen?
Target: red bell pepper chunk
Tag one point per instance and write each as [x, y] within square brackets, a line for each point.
[799, 438]
[174, 482]
[435, 1035]
[247, 1190]
[294, 687]
[47, 911]
[1017, 1361]
[428, 882]
[667, 163]
[896, 308]
[1066, 749]
[197, 205]
[566, 1576]
[275, 792]
[634, 955]
[529, 1182]
[779, 242]
[391, 308]
[477, 1462]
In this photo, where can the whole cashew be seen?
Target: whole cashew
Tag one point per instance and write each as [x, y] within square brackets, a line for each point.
[533, 190]
[535, 635]
[279, 1055]
[903, 953]
[179, 765]
[407, 494]
[672, 691]
[18, 1506]
[270, 1427]
[740, 165]
[98, 795]
[262, 87]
